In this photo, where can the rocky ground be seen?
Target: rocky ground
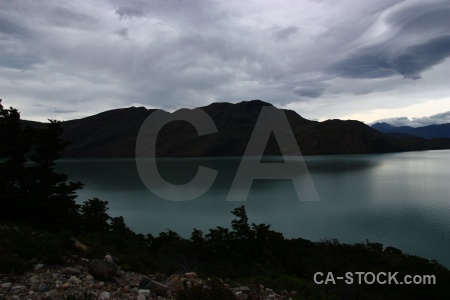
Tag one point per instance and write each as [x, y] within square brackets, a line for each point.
[73, 281]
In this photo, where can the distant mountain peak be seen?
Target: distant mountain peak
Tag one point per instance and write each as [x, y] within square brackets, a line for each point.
[255, 102]
[249, 104]
[382, 126]
[427, 132]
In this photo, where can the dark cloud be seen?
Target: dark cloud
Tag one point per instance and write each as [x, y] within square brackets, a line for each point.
[365, 63]
[419, 58]
[420, 41]
[309, 91]
[130, 12]
[284, 33]
[123, 33]
[421, 17]
[13, 37]
[377, 62]
[10, 27]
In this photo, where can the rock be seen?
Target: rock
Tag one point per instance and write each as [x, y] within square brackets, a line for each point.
[89, 278]
[146, 293]
[34, 279]
[38, 266]
[108, 258]
[80, 268]
[44, 288]
[50, 294]
[154, 286]
[140, 297]
[102, 269]
[70, 271]
[244, 289]
[66, 285]
[104, 296]
[79, 245]
[175, 282]
[190, 275]
[74, 280]
[111, 258]
[240, 295]
[6, 285]
[18, 287]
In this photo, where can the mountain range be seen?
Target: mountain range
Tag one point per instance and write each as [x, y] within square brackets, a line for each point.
[426, 132]
[113, 134]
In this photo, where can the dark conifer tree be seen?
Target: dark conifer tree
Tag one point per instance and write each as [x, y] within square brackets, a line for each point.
[30, 188]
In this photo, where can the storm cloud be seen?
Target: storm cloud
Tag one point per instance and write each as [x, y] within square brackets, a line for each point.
[419, 41]
[325, 59]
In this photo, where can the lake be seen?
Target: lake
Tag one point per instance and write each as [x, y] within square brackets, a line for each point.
[398, 199]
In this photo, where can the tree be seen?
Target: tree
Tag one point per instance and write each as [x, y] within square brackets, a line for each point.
[241, 229]
[94, 216]
[30, 188]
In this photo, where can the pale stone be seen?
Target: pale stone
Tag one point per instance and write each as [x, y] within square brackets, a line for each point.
[18, 287]
[146, 293]
[6, 285]
[74, 280]
[190, 275]
[89, 278]
[50, 293]
[104, 296]
[140, 297]
[244, 289]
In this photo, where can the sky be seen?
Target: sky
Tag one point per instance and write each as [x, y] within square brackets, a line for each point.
[325, 59]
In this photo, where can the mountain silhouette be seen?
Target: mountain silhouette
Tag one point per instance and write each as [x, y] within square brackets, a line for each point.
[113, 134]
[426, 132]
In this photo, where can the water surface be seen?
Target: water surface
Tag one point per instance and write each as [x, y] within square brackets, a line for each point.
[399, 199]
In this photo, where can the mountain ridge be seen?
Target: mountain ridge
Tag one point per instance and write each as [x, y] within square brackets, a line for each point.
[112, 134]
[427, 132]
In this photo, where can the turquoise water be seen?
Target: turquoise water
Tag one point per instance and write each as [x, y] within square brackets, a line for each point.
[400, 200]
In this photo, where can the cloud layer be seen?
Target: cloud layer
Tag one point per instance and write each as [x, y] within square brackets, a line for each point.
[71, 59]
[441, 118]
